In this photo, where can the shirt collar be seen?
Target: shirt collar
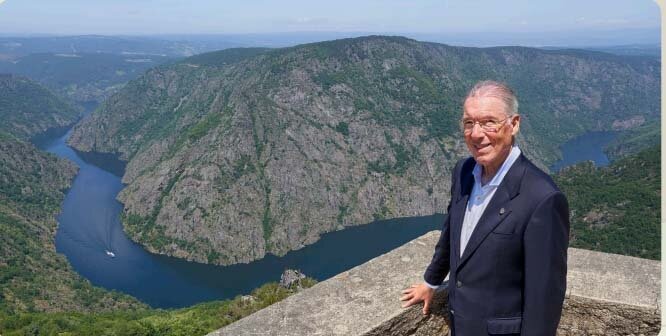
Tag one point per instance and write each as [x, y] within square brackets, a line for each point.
[499, 176]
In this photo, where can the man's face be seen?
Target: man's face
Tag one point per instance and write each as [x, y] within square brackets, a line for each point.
[489, 149]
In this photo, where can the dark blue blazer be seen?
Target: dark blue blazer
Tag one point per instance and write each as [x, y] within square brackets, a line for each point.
[511, 278]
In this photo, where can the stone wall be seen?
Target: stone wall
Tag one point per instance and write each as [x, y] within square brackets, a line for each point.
[607, 294]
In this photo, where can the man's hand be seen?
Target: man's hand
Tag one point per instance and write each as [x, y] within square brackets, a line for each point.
[418, 293]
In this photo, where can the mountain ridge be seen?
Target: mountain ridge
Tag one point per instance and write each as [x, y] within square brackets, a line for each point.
[228, 163]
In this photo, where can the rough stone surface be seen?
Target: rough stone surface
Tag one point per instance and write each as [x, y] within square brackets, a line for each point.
[607, 295]
[614, 278]
[586, 316]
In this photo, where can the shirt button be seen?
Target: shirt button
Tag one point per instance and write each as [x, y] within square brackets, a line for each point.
[459, 284]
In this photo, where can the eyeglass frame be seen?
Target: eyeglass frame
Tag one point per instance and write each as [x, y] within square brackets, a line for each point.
[500, 124]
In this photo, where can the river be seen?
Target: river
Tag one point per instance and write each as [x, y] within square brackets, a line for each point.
[89, 226]
[589, 146]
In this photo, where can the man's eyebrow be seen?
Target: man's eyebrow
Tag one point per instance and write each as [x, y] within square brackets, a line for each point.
[486, 117]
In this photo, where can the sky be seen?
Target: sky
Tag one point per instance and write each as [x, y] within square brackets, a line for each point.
[146, 17]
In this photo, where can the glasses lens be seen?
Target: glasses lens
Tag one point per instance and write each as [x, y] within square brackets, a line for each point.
[489, 125]
[486, 125]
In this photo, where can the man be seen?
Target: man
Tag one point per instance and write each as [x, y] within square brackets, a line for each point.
[505, 237]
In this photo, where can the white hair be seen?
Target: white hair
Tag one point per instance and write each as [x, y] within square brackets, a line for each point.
[499, 90]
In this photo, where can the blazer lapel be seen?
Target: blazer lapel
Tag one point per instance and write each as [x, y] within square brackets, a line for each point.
[497, 210]
[457, 217]
[457, 211]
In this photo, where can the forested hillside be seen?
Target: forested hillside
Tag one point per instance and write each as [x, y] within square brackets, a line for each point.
[617, 208]
[33, 277]
[634, 140]
[27, 108]
[199, 319]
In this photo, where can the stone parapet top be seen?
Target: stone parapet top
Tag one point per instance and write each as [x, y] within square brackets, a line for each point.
[362, 299]
[614, 278]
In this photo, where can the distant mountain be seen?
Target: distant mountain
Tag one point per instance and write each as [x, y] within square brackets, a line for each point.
[650, 50]
[13, 47]
[230, 161]
[580, 38]
[27, 108]
[166, 45]
[224, 57]
[641, 50]
[183, 45]
[616, 209]
[82, 77]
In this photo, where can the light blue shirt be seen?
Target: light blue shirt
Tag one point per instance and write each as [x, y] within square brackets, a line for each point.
[480, 197]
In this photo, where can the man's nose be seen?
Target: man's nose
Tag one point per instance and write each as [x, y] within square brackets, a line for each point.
[477, 132]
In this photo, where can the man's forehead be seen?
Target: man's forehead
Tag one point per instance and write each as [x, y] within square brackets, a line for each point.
[484, 107]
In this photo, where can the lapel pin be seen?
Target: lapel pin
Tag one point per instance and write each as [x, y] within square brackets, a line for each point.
[501, 211]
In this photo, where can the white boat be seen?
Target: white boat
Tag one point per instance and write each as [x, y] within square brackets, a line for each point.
[110, 254]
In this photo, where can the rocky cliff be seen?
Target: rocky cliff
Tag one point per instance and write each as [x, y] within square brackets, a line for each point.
[243, 153]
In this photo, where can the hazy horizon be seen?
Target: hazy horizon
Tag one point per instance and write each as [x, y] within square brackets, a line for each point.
[630, 37]
[565, 22]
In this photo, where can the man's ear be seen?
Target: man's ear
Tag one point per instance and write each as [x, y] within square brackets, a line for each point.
[515, 122]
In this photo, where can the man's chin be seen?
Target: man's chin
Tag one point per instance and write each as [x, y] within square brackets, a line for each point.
[477, 156]
[482, 160]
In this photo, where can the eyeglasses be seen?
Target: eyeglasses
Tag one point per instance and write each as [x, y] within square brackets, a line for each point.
[487, 125]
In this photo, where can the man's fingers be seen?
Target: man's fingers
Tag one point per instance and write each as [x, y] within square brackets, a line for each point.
[426, 307]
[406, 297]
[409, 289]
[410, 302]
[413, 295]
